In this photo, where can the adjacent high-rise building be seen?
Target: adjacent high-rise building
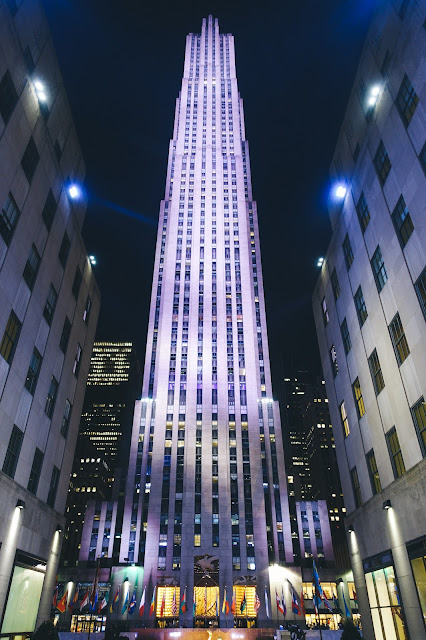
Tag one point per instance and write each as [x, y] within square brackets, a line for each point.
[370, 310]
[206, 503]
[48, 315]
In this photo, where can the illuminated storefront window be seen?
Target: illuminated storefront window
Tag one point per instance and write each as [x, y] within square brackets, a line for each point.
[385, 604]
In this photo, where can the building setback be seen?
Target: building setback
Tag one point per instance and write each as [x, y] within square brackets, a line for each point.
[370, 309]
[48, 315]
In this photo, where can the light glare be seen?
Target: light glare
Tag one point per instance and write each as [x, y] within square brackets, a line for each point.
[73, 191]
[341, 191]
[92, 259]
[375, 91]
[38, 85]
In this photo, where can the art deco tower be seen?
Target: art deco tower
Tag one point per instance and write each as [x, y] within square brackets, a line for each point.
[206, 471]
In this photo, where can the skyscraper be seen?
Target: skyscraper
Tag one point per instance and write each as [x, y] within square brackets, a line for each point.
[206, 502]
[370, 310]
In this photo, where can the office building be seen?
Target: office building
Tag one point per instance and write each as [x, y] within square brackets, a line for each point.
[370, 309]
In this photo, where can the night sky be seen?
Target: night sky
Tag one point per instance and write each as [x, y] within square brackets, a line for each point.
[122, 64]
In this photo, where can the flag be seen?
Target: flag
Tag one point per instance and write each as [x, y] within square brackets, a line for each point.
[62, 604]
[225, 605]
[326, 603]
[163, 604]
[152, 607]
[132, 604]
[256, 602]
[94, 594]
[266, 603]
[243, 604]
[115, 600]
[174, 605]
[278, 601]
[354, 596]
[142, 603]
[347, 610]
[302, 603]
[125, 604]
[283, 601]
[295, 606]
[205, 601]
[85, 600]
[74, 600]
[104, 601]
[194, 605]
[336, 605]
[316, 583]
[233, 603]
[182, 606]
[55, 595]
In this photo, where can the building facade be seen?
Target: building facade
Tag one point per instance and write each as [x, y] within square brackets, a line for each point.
[48, 315]
[370, 310]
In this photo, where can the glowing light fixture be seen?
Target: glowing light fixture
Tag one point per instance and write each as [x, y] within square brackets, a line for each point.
[40, 91]
[74, 191]
[92, 259]
[20, 504]
[373, 95]
[350, 529]
[320, 262]
[340, 191]
[387, 504]
[375, 91]
[59, 528]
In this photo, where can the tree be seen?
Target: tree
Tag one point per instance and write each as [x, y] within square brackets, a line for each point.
[350, 632]
[46, 631]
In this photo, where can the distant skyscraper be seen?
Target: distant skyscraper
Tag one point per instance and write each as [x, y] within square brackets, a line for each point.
[206, 496]
[48, 315]
[370, 310]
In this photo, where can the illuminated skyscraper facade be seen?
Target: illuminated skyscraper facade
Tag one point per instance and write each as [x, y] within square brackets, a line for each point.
[206, 473]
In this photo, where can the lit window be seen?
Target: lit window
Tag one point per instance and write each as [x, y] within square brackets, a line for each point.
[344, 419]
[402, 222]
[373, 472]
[382, 163]
[406, 100]
[395, 453]
[376, 372]
[360, 306]
[399, 340]
[418, 411]
[359, 401]
[379, 270]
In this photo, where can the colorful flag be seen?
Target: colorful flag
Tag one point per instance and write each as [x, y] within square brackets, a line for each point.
[295, 606]
[174, 605]
[256, 602]
[74, 600]
[243, 604]
[55, 595]
[62, 604]
[125, 604]
[266, 603]
[233, 603]
[85, 600]
[316, 583]
[194, 605]
[152, 607]
[103, 603]
[283, 601]
[225, 605]
[115, 600]
[132, 604]
[182, 607]
[142, 603]
[279, 603]
[347, 610]
[326, 603]
[302, 603]
[94, 594]
[354, 596]
[163, 603]
[337, 606]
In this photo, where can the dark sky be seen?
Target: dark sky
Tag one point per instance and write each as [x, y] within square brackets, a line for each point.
[122, 64]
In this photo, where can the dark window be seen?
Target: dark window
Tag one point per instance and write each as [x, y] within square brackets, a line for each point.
[355, 487]
[51, 397]
[395, 453]
[422, 157]
[30, 159]
[403, 9]
[9, 219]
[344, 419]
[379, 270]
[76, 283]
[399, 340]
[376, 372]
[49, 210]
[29, 60]
[324, 311]
[10, 337]
[64, 250]
[77, 361]
[382, 163]
[420, 287]
[346, 338]
[35, 471]
[384, 69]
[65, 335]
[54, 480]
[418, 411]
[402, 222]
[58, 151]
[356, 152]
[33, 371]
[359, 400]
[49, 308]
[373, 472]
[335, 284]
[333, 360]
[347, 250]
[8, 97]
[66, 418]
[12, 6]
[87, 308]
[13, 451]
[361, 309]
[31, 267]
[363, 212]
[406, 100]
